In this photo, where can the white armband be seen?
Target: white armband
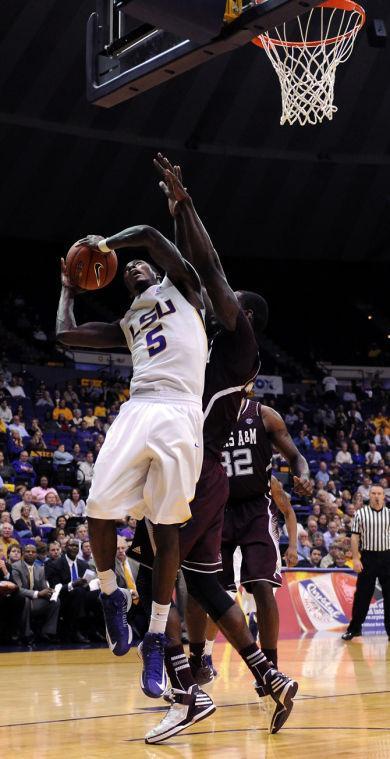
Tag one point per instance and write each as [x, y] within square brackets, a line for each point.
[103, 247]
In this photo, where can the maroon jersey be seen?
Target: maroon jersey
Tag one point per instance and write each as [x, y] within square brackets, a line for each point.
[233, 363]
[247, 456]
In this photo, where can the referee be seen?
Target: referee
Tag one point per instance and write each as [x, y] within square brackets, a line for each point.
[371, 533]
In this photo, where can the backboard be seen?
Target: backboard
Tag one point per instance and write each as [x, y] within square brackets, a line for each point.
[134, 45]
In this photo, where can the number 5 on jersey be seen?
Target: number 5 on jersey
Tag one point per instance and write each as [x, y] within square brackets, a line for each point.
[155, 342]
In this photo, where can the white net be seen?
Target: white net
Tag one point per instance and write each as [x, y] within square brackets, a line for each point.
[324, 38]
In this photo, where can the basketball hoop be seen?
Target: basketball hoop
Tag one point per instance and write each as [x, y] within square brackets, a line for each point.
[325, 37]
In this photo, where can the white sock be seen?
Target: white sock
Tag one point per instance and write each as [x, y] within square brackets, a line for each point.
[159, 617]
[208, 648]
[108, 583]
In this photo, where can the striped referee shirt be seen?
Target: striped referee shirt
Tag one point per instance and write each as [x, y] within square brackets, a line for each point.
[373, 527]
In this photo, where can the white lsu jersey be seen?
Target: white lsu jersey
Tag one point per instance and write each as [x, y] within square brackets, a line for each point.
[167, 340]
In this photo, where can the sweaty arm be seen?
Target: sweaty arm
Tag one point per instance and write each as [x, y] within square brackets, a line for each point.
[284, 505]
[281, 439]
[162, 252]
[90, 335]
[195, 243]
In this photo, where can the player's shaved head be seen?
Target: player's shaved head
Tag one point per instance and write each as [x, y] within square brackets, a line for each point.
[255, 303]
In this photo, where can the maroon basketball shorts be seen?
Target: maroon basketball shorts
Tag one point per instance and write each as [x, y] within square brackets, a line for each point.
[201, 536]
[253, 526]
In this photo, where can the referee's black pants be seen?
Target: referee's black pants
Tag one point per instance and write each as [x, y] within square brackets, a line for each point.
[376, 564]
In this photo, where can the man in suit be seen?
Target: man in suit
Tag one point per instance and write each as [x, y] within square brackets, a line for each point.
[32, 584]
[124, 570]
[77, 600]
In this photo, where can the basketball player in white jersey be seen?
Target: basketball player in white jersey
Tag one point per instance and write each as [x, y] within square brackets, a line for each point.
[151, 459]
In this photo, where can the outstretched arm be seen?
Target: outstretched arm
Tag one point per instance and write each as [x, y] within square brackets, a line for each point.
[162, 252]
[281, 439]
[90, 335]
[197, 245]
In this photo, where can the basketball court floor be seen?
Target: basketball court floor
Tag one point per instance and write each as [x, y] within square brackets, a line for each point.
[85, 703]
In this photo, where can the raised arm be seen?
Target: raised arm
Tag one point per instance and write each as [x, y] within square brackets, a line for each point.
[281, 439]
[197, 245]
[90, 335]
[162, 252]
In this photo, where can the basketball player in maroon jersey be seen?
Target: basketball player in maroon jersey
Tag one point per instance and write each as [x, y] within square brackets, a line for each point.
[251, 521]
[232, 363]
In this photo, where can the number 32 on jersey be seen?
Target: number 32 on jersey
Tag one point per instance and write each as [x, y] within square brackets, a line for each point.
[238, 462]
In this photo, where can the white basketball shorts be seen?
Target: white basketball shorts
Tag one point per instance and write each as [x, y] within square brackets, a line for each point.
[149, 463]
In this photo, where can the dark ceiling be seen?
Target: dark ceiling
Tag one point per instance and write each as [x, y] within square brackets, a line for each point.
[70, 168]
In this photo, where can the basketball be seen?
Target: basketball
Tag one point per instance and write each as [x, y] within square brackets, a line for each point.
[90, 269]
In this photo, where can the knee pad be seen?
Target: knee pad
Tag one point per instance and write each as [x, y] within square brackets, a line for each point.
[209, 593]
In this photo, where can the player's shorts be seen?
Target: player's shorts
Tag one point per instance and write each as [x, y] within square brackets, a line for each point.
[149, 463]
[253, 526]
[200, 538]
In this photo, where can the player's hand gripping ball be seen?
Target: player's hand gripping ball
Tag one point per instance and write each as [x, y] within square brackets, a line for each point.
[88, 268]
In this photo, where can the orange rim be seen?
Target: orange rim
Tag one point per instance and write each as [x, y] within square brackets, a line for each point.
[343, 5]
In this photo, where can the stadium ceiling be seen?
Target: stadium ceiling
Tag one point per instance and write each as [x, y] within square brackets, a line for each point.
[287, 192]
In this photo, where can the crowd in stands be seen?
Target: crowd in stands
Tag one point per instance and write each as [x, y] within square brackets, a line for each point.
[49, 440]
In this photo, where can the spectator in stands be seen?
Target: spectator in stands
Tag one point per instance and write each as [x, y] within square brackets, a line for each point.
[109, 422]
[11, 606]
[85, 553]
[41, 554]
[3, 506]
[54, 550]
[70, 395]
[18, 426]
[343, 456]
[14, 553]
[40, 491]
[316, 510]
[15, 387]
[322, 474]
[384, 483]
[85, 472]
[349, 393]
[318, 542]
[322, 524]
[123, 568]
[329, 383]
[75, 506]
[311, 527]
[37, 442]
[50, 509]
[373, 457]
[26, 523]
[7, 472]
[330, 557]
[5, 412]
[350, 510]
[77, 452]
[100, 409]
[319, 443]
[364, 488]
[62, 410]
[33, 586]
[76, 599]
[6, 538]
[304, 545]
[24, 470]
[44, 399]
[81, 532]
[61, 457]
[329, 420]
[89, 417]
[5, 516]
[26, 501]
[357, 457]
[314, 559]
[339, 560]
[381, 439]
[15, 445]
[331, 534]
[302, 441]
[77, 418]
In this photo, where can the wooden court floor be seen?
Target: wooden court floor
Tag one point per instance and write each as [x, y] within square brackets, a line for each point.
[86, 703]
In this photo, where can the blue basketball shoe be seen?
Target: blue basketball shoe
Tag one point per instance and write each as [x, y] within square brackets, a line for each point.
[154, 679]
[118, 632]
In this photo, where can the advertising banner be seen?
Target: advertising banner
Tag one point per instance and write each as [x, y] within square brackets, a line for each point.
[315, 601]
[264, 385]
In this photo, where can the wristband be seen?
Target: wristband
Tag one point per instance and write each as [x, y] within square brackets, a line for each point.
[103, 247]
